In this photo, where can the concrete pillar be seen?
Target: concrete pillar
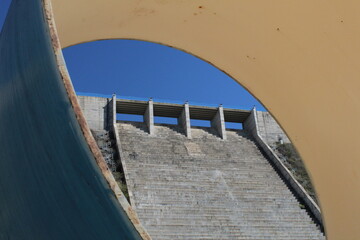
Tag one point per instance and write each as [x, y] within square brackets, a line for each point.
[113, 109]
[250, 125]
[218, 122]
[184, 120]
[111, 113]
[149, 117]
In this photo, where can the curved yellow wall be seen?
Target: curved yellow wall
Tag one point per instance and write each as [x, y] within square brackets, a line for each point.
[299, 58]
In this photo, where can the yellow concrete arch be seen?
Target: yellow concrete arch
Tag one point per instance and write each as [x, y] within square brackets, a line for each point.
[299, 58]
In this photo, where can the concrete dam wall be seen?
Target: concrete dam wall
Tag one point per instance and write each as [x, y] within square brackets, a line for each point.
[206, 187]
[97, 112]
[189, 182]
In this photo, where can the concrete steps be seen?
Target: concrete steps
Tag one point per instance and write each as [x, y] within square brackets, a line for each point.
[208, 188]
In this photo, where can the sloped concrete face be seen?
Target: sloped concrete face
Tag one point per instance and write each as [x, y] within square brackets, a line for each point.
[208, 188]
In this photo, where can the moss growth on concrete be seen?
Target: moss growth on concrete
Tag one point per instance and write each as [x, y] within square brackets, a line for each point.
[293, 162]
[120, 179]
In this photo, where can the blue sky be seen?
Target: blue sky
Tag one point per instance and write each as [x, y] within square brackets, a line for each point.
[144, 69]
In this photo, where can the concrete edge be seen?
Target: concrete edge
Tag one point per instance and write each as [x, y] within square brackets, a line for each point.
[184, 120]
[149, 117]
[218, 123]
[119, 148]
[49, 18]
[284, 171]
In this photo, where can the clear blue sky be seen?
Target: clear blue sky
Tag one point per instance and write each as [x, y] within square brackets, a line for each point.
[144, 69]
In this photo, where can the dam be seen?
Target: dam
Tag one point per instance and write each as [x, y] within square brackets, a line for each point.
[302, 69]
[196, 182]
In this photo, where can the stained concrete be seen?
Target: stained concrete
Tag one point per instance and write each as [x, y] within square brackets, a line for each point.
[208, 188]
[269, 130]
[95, 110]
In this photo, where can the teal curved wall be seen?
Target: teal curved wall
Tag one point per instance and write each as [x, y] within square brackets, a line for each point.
[50, 184]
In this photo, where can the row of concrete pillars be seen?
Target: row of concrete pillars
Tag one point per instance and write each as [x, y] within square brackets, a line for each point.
[218, 122]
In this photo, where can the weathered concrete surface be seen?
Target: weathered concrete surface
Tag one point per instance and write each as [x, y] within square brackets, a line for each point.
[96, 111]
[269, 130]
[112, 113]
[184, 120]
[218, 123]
[251, 126]
[207, 188]
[149, 117]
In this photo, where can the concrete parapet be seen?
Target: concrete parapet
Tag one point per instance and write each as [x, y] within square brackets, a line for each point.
[269, 130]
[218, 122]
[95, 111]
[149, 117]
[251, 126]
[184, 120]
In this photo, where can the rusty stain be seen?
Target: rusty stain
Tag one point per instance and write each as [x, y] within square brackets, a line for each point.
[201, 7]
[277, 29]
[141, 12]
[132, 213]
[249, 57]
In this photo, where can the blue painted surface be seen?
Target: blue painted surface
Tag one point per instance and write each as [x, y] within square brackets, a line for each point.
[50, 185]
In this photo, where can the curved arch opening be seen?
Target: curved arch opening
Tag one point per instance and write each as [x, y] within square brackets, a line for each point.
[144, 69]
